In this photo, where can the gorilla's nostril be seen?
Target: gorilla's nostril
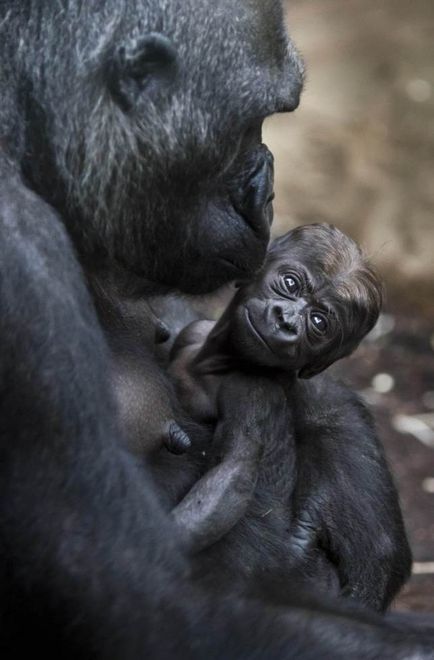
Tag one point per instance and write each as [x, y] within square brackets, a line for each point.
[290, 328]
[278, 314]
[286, 325]
[253, 198]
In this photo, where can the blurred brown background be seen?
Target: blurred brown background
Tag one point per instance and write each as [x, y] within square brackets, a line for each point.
[359, 153]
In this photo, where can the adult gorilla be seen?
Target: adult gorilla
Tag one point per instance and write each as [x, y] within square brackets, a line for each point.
[122, 124]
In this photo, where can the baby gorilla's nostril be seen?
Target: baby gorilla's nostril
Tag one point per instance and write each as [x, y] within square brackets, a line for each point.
[290, 328]
[278, 314]
[285, 325]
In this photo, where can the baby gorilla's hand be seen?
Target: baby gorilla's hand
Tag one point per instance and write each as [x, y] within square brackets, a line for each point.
[175, 439]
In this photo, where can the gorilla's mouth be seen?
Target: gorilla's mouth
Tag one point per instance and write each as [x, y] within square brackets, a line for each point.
[236, 267]
[255, 331]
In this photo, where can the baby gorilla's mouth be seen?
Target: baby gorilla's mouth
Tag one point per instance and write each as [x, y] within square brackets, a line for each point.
[256, 332]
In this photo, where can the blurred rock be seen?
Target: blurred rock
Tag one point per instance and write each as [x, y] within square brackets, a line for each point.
[419, 426]
[383, 383]
[428, 486]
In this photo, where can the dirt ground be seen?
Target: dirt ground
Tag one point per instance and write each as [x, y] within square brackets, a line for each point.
[360, 153]
[394, 372]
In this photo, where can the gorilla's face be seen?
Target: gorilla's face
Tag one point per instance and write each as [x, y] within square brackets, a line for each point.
[229, 229]
[157, 136]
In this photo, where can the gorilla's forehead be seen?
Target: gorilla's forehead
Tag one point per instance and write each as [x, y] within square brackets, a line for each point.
[304, 256]
[233, 56]
[243, 50]
[309, 265]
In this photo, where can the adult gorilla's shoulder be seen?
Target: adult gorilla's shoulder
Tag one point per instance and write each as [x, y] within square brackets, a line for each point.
[125, 127]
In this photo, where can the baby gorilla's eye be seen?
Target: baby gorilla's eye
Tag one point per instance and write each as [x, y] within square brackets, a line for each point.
[319, 322]
[292, 284]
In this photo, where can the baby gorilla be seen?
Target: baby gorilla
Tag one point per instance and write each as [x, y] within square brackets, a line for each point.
[311, 304]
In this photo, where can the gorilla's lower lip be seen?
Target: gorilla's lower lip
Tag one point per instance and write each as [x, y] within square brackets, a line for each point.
[256, 332]
[239, 270]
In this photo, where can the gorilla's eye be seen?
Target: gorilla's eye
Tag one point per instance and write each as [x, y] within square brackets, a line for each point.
[319, 322]
[292, 284]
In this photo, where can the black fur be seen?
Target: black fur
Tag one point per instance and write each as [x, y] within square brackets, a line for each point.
[90, 564]
[301, 460]
[297, 491]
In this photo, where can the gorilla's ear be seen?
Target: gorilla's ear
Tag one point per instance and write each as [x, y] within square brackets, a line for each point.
[141, 64]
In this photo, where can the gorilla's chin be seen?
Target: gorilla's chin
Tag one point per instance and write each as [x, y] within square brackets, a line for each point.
[212, 275]
[222, 247]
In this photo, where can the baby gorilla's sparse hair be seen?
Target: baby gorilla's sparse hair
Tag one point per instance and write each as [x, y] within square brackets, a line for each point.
[348, 279]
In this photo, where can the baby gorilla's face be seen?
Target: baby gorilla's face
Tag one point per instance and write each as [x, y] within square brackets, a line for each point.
[287, 318]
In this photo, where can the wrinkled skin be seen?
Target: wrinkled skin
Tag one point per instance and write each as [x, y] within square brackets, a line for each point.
[120, 123]
[311, 304]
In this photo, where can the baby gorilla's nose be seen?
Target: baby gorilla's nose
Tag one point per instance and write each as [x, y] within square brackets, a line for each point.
[287, 323]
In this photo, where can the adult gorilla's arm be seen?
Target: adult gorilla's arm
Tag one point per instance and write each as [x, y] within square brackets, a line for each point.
[79, 525]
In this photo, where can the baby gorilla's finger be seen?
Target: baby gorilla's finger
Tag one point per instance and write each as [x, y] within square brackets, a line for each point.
[176, 440]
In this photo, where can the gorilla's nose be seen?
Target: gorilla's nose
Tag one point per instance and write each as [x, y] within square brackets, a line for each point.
[288, 323]
[257, 192]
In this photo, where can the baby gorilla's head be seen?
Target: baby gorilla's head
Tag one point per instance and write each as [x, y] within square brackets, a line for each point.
[311, 304]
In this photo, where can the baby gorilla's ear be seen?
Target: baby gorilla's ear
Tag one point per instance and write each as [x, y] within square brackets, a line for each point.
[141, 65]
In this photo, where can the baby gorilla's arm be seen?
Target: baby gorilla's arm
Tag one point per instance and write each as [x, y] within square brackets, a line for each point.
[218, 501]
[345, 498]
